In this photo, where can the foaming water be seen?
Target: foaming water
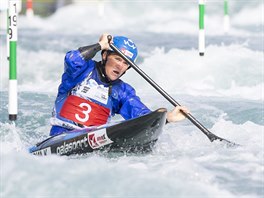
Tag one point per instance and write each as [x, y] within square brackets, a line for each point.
[182, 159]
[223, 90]
[241, 71]
[153, 16]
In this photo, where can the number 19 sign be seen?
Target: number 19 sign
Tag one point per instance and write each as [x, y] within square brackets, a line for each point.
[12, 35]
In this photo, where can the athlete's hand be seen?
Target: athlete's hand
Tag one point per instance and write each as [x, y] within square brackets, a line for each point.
[103, 41]
[176, 114]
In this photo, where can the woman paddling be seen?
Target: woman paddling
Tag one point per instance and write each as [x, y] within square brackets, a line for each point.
[92, 92]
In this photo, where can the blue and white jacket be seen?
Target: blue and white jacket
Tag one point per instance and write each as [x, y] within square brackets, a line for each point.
[122, 98]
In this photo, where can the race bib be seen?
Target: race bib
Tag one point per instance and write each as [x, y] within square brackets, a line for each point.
[84, 112]
[91, 89]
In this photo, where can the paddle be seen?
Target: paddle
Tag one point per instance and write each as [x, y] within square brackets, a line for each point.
[212, 137]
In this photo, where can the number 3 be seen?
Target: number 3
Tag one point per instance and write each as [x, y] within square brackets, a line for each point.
[86, 113]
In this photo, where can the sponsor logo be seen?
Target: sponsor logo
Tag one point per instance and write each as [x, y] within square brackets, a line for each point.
[130, 43]
[127, 53]
[98, 139]
[68, 147]
[43, 152]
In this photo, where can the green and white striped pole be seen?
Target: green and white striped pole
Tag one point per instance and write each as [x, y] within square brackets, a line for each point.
[201, 27]
[7, 33]
[226, 17]
[12, 32]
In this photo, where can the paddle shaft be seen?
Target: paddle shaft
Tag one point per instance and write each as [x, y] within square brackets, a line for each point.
[209, 134]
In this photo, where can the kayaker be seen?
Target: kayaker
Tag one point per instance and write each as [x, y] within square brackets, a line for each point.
[92, 92]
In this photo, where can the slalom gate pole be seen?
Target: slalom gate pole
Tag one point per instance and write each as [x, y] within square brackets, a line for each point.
[12, 32]
[29, 11]
[7, 33]
[226, 17]
[209, 134]
[201, 28]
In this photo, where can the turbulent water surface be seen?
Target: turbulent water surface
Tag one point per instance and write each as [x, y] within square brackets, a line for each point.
[223, 90]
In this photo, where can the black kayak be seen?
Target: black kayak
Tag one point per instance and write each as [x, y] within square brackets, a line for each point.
[139, 134]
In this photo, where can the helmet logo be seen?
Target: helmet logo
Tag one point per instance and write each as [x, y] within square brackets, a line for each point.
[127, 53]
[130, 43]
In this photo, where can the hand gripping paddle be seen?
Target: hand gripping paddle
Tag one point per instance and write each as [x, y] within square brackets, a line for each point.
[212, 137]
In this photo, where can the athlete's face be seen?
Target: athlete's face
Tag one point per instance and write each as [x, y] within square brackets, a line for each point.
[115, 66]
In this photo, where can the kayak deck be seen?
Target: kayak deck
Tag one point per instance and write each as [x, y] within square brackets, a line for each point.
[139, 134]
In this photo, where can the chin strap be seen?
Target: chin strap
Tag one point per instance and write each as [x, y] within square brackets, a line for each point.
[101, 71]
[103, 76]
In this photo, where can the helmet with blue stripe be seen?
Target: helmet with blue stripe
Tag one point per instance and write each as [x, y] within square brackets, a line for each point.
[127, 46]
